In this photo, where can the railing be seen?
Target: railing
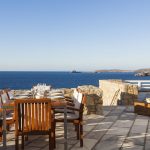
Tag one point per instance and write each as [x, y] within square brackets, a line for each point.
[143, 85]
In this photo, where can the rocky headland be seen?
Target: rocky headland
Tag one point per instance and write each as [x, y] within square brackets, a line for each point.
[139, 72]
[113, 70]
[142, 72]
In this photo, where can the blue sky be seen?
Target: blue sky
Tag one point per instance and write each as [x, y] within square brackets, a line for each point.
[65, 35]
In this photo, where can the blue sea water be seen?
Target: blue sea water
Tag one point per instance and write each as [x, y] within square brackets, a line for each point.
[25, 80]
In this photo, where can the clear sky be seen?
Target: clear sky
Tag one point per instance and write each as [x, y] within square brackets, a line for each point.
[74, 34]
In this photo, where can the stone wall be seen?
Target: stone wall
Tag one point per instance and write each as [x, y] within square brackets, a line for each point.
[117, 92]
[93, 99]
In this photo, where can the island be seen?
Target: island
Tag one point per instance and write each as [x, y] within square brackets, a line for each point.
[74, 71]
[113, 70]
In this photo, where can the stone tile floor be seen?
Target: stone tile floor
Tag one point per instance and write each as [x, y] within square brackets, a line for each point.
[118, 129]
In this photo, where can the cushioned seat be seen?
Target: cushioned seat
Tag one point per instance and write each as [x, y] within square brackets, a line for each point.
[71, 116]
[56, 97]
[62, 111]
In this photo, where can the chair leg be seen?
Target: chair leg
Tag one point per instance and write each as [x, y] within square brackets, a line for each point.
[8, 127]
[16, 143]
[26, 137]
[77, 131]
[0, 134]
[50, 140]
[1, 130]
[75, 127]
[22, 140]
[81, 135]
[54, 135]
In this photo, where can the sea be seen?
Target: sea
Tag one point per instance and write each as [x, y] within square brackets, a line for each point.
[26, 80]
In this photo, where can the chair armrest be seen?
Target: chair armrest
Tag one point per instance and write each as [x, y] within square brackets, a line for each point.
[9, 106]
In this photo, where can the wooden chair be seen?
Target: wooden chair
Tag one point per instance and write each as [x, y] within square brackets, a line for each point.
[33, 117]
[76, 118]
[10, 118]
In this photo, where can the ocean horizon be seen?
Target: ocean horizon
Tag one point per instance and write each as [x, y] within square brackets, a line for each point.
[59, 79]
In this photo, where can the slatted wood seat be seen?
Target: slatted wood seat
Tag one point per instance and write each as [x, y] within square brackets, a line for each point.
[33, 117]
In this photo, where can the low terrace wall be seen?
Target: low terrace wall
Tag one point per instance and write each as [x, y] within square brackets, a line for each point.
[117, 92]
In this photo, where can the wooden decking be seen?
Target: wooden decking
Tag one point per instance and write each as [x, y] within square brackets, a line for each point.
[118, 129]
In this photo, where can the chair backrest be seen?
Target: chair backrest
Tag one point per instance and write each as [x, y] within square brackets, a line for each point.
[79, 102]
[1, 99]
[33, 115]
[75, 95]
[4, 99]
[0, 104]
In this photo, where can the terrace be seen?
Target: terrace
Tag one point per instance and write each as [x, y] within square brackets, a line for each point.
[118, 128]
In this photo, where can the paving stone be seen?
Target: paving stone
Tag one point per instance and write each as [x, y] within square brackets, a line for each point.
[32, 148]
[123, 123]
[88, 144]
[38, 144]
[95, 134]
[141, 121]
[108, 137]
[114, 144]
[111, 118]
[88, 128]
[134, 147]
[128, 116]
[139, 129]
[147, 145]
[136, 139]
[118, 131]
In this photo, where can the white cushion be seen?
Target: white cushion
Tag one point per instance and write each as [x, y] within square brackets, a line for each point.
[55, 91]
[21, 97]
[78, 101]
[62, 111]
[11, 95]
[56, 94]
[4, 98]
[69, 116]
[56, 97]
[75, 95]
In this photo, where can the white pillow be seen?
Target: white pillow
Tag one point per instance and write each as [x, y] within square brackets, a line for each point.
[4, 98]
[11, 95]
[75, 95]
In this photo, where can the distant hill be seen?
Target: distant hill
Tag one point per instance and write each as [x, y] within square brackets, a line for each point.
[143, 70]
[113, 70]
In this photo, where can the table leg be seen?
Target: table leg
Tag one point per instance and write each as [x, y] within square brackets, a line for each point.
[4, 128]
[65, 128]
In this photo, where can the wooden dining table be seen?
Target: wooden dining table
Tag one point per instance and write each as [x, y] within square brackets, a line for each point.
[55, 104]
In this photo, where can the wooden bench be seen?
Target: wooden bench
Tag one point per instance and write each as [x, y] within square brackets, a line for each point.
[142, 108]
